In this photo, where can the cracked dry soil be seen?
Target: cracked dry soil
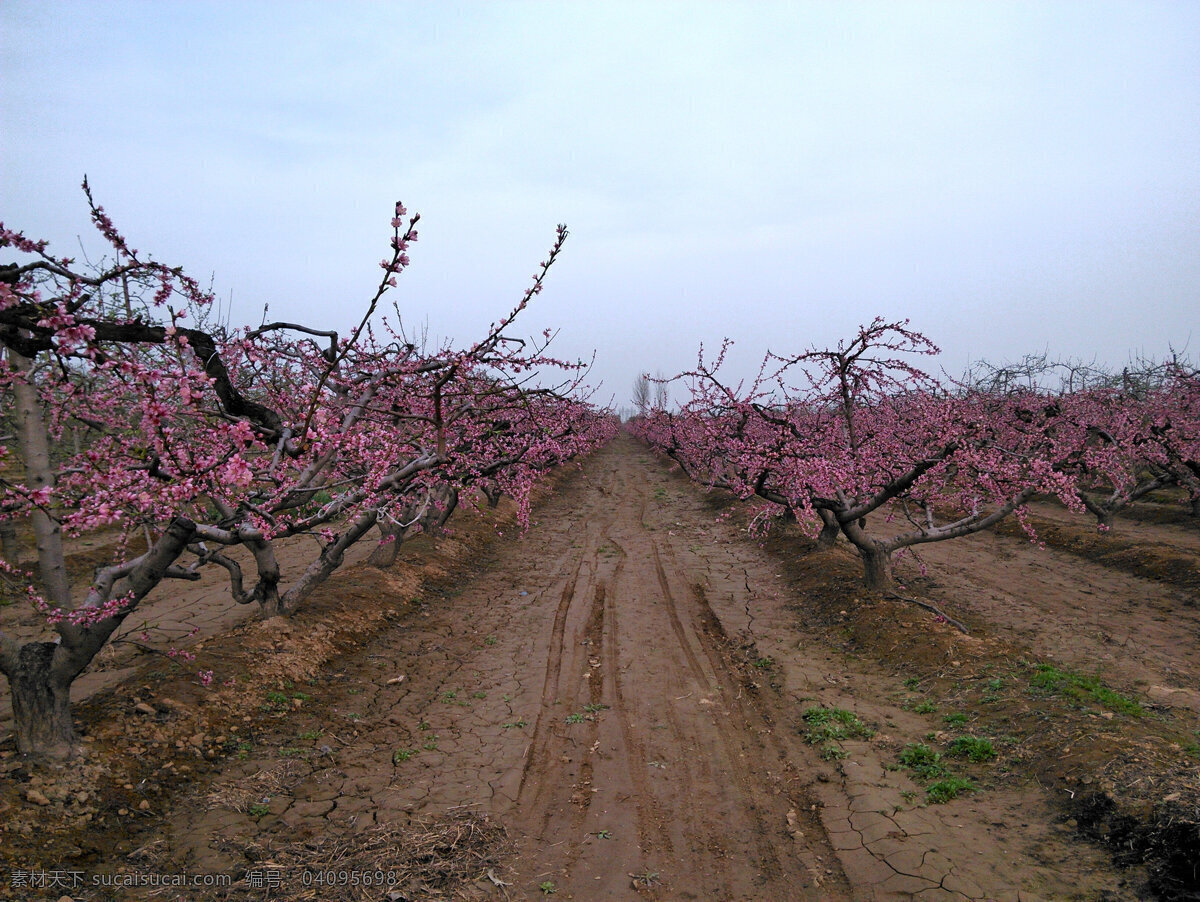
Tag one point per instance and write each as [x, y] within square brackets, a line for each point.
[622, 688]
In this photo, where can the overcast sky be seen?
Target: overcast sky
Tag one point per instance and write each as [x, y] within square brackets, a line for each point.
[1012, 177]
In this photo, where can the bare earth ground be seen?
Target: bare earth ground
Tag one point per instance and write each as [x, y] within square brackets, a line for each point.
[613, 705]
[1138, 631]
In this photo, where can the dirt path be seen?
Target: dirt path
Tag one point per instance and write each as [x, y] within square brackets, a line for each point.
[624, 689]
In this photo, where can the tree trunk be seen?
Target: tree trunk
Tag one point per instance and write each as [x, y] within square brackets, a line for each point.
[318, 571]
[40, 674]
[829, 529]
[267, 588]
[877, 560]
[1104, 511]
[41, 701]
[10, 548]
[35, 450]
[877, 569]
[445, 501]
[391, 535]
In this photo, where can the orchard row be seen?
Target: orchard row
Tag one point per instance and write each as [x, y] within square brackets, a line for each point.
[131, 408]
[834, 437]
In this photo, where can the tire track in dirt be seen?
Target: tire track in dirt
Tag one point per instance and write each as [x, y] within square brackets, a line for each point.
[595, 743]
[635, 756]
[707, 767]
[749, 759]
[539, 757]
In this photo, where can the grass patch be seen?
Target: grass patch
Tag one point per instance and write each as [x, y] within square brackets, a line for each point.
[972, 748]
[834, 724]
[924, 762]
[944, 790]
[1049, 678]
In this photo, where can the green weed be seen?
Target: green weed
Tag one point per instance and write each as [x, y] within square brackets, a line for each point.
[837, 724]
[973, 748]
[943, 791]
[924, 762]
[1049, 678]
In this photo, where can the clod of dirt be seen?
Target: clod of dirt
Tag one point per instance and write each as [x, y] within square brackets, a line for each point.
[1168, 838]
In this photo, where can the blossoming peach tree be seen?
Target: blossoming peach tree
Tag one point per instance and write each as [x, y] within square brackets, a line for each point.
[192, 438]
[849, 436]
[1139, 429]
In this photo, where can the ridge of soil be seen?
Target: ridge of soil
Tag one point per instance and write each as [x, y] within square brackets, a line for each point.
[1153, 551]
[634, 700]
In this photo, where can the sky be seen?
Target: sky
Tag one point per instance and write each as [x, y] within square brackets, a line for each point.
[1011, 177]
